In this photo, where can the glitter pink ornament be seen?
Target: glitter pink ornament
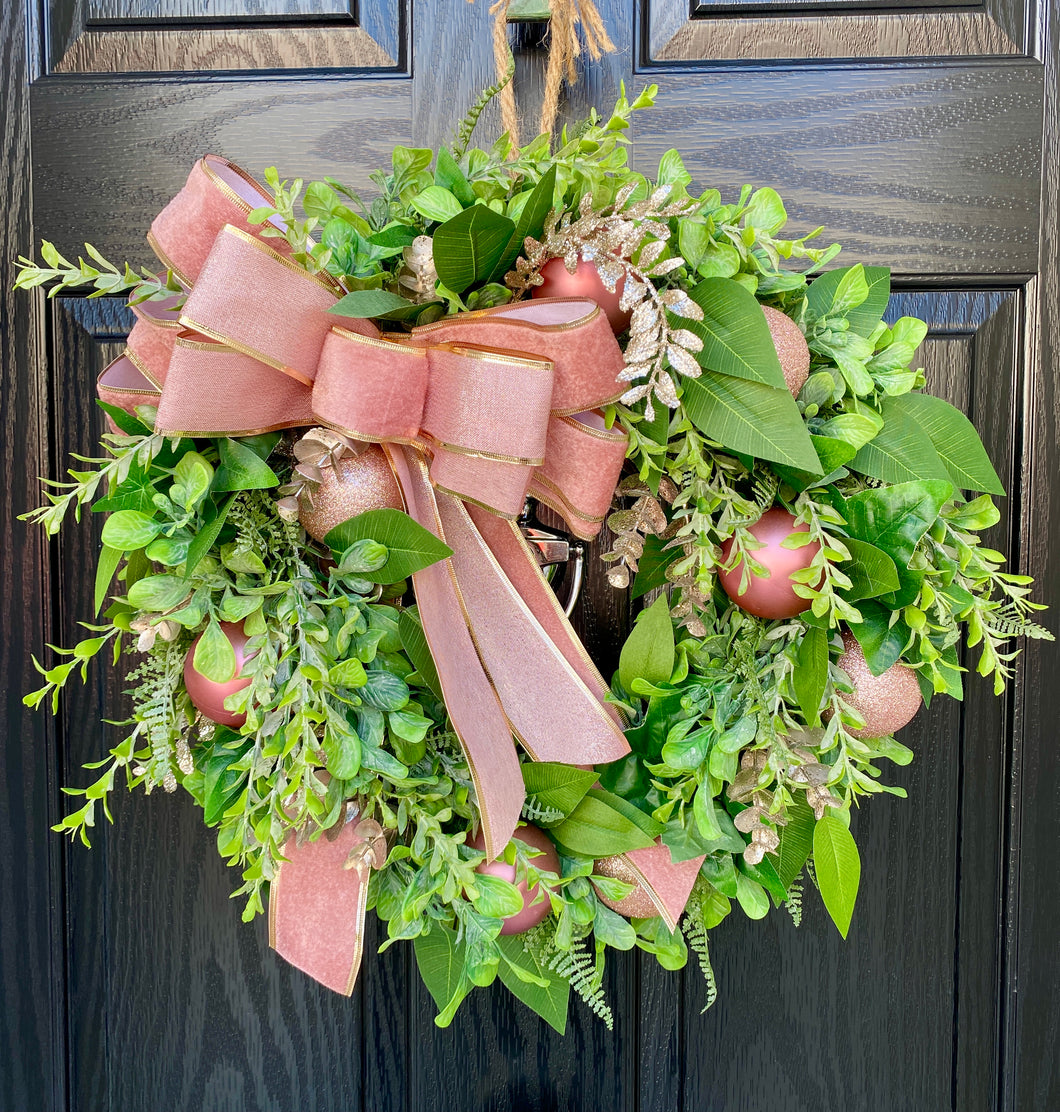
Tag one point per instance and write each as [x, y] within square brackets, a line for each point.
[771, 596]
[532, 913]
[584, 282]
[886, 702]
[638, 904]
[354, 485]
[208, 696]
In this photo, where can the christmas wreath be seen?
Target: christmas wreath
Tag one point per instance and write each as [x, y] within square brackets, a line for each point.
[325, 398]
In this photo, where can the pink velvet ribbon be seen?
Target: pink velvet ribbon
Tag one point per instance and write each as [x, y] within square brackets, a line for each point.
[475, 412]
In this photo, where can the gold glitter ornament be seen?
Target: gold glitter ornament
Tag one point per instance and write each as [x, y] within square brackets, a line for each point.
[353, 485]
[638, 904]
[887, 702]
[792, 349]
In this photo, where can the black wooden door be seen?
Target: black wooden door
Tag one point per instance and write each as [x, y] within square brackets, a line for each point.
[924, 137]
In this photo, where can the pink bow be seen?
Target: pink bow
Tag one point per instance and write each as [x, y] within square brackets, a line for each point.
[474, 412]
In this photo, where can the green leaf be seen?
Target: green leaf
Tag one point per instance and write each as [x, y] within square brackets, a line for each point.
[901, 452]
[735, 335]
[469, 246]
[838, 868]
[109, 559]
[440, 959]
[214, 656]
[384, 690]
[649, 650]
[129, 529]
[449, 175]
[135, 492]
[241, 468]
[604, 824]
[881, 643]
[954, 438]
[824, 297]
[863, 318]
[192, 478]
[342, 751]
[611, 929]
[348, 673]
[558, 787]
[365, 304]
[497, 898]
[895, 518]
[765, 874]
[686, 842]
[811, 674]
[531, 223]
[796, 841]
[412, 548]
[222, 784]
[871, 570]
[158, 592]
[653, 562]
[549, 1000]
[436, 203]
[751, 896]
[751, 418]
[414, 642]
[126, 422]
[207, 536]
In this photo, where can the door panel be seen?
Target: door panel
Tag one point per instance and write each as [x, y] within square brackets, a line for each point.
[134, 984]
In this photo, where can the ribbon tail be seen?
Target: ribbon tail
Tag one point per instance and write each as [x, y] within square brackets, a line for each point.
[472, 702]
[551, 710]
[517, 560]
[317, 909]
[668, 882]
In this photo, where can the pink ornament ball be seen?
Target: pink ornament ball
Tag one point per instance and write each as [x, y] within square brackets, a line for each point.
[637, 904]
[532, 913]
[792, 349]
[886, 702]
[353, 486]
[771, 596]
[208, 696]
[584, 282]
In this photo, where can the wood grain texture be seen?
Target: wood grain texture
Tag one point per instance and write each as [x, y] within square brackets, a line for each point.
[1031, 1068]
[927, 170]
[832, 31]
[32, 1063]
[136, 11]
[136, 144]
[186, 36]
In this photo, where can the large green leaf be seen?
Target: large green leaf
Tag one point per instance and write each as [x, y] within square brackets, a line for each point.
[871, 570]
[895, 518]
[440, 958]
[604, 824]
[365, 304]
[449, 175]
[811, 674]
[830, 294]
[411, 547]
[468, 247]
[796, 841]
[550, 999]
[901, 452]
[222, 784]
[881, 643]
[414, 642]
[241, 468]
[751, 418]
[557, 786]
[735, 335]
[653, 562]
[649, 650]
[954, 438]
[837, 864]
[531, 223]
[436, 203]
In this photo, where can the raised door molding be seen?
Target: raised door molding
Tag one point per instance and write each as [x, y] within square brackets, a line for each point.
[690, 32]
[211, 36]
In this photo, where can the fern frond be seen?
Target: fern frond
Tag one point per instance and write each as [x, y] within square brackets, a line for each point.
[535, 811]
[470, 121]
[696, 934]
[1008, 622]
[585, 977]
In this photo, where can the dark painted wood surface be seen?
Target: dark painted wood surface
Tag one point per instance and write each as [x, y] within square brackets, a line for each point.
[129, 981]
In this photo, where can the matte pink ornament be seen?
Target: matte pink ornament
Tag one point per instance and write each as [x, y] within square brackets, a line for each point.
[354, 485]
[532, 913]
[886, 702]
[792, 349]
[584, 282]
[771, 596]
[208, 696]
